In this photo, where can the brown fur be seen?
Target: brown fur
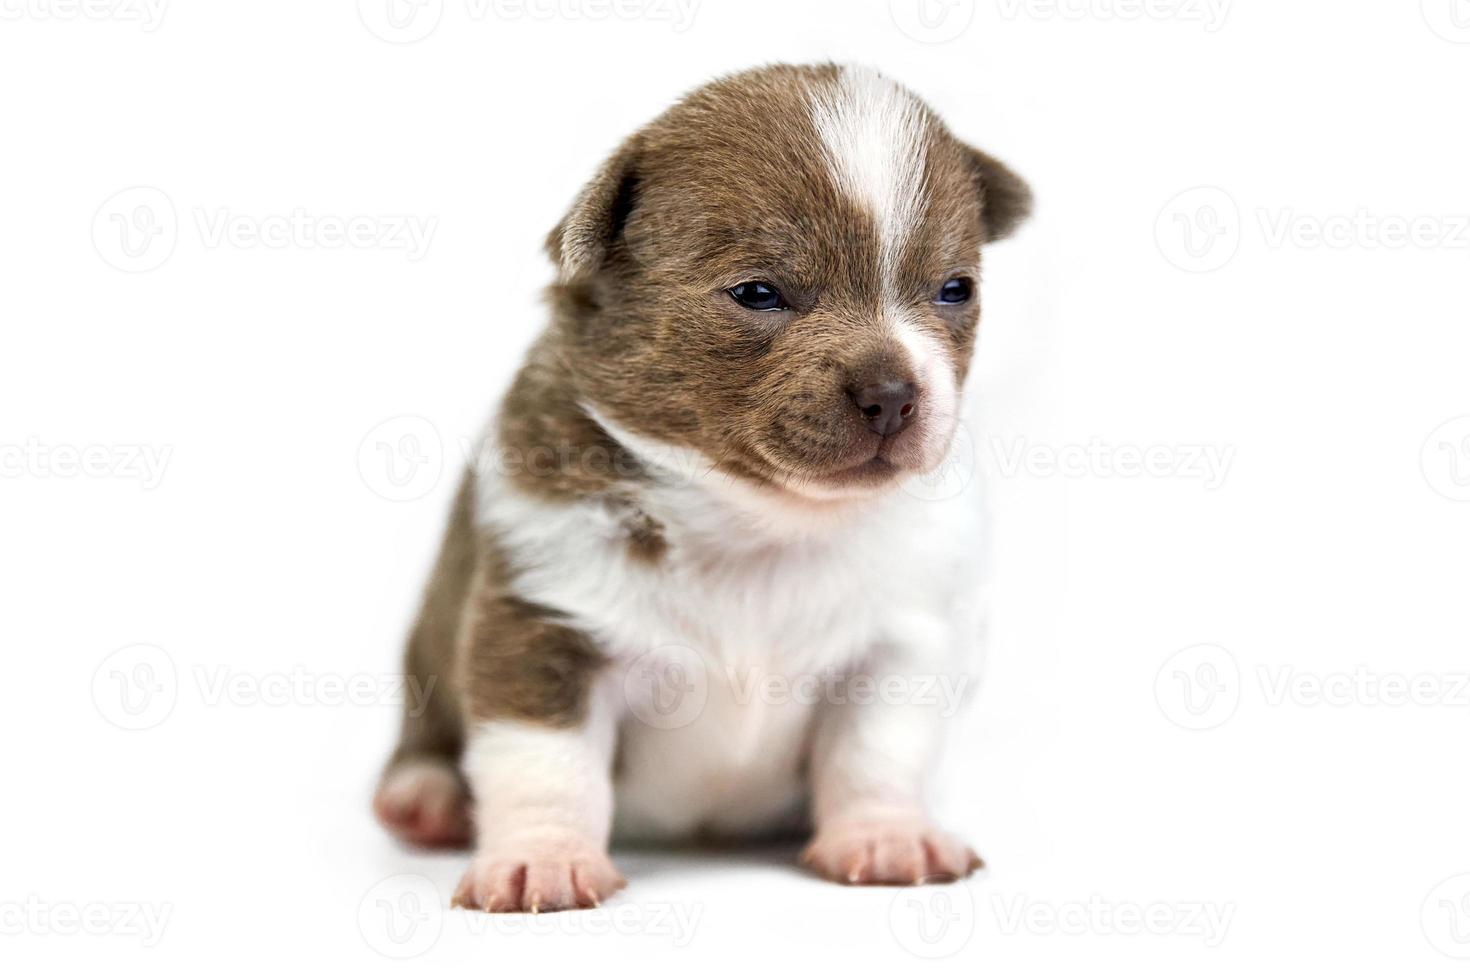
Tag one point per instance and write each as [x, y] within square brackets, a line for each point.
[729, 185]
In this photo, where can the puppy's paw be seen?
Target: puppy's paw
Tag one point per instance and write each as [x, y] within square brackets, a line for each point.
[545, 875]
[425, 803]
[883, 852]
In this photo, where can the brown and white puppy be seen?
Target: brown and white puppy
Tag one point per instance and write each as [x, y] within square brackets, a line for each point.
[763, 322]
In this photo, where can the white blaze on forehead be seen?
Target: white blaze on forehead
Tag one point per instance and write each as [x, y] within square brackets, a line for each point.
[875, 135]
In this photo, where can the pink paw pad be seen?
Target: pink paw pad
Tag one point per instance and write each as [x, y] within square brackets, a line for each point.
[538, 877]
[883, 853]
[425, 804]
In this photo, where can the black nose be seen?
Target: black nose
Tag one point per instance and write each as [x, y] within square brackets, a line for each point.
[887, 406]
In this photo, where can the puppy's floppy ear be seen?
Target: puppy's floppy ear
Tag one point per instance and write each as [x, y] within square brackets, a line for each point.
[583, 240]
[1005, 197]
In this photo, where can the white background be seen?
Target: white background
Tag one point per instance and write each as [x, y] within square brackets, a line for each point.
[264, 558]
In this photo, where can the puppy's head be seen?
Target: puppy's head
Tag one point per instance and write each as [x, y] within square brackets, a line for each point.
[781, 273]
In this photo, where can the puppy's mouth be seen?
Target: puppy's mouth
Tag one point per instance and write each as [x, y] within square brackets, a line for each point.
[871, 464]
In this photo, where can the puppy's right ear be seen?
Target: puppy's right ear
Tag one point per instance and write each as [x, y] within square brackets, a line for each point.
[582, 241]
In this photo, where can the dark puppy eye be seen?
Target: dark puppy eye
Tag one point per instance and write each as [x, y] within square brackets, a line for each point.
[955, 292]
[758, 296]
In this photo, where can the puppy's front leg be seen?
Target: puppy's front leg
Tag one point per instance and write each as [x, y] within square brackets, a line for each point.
[869, 757]
[543, 721]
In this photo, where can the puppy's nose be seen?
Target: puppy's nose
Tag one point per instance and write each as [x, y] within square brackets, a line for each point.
[887, 406]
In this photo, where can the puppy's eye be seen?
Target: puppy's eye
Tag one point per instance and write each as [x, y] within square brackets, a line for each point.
[955, 292]
[758, 296]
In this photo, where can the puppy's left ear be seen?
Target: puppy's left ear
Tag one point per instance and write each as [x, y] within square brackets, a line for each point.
[1005, 197]
[584, 240]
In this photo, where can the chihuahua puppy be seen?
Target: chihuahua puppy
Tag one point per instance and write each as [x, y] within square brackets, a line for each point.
[687, 589]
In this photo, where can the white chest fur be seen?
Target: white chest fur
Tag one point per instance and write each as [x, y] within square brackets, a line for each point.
[757, 608]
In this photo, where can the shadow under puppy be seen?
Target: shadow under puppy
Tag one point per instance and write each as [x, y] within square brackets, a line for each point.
[700, 481]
